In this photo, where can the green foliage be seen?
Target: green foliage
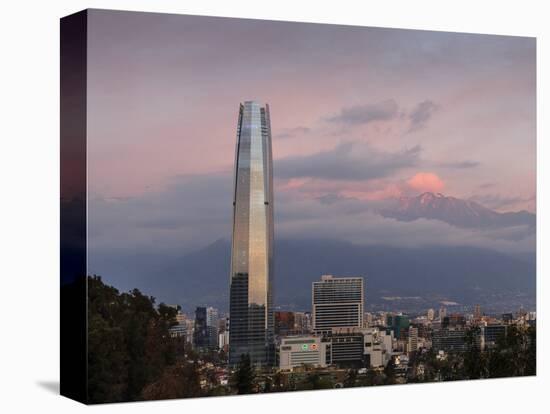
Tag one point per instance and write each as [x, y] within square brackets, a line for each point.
[389, 373]
[513, 355]
[351, 378]
[314, 381]
[372, 377]
[178, 381]
[243, 378]
[474, 359]
[129, 346]
[277, 383]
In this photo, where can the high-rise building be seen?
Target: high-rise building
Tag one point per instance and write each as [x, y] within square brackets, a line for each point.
[284, 323]
[449, 339]
[431, 314]
[337, 302]
[368, 319]
[212, 326]
[442, 313]
[413, 339]
[492, 333]
[200, 333]
[205, 333]
[223, 334]
[454, 319]
[302, 322]
[251, 307]
[477, 312]
[378, 346]
[347, 348]
[400, 325]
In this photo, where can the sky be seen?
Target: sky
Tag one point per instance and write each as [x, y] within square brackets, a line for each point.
[360, 116]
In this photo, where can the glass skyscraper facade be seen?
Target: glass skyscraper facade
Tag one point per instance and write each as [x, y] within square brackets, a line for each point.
[251, 307]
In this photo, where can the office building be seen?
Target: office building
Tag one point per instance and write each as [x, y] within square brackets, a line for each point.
[295, 351]
[178, 331]
[477, 312]
[378, 347]
[347, 348]
[399, 325]
[454, 319]
[368, 319]
[205, 333]
[212, 326]
[251, 276]
[450, 339]
[491, 333]
[284, 323]
[338, 302]
[303, 322]
[200, 333]
[413, 339]
[431, 315]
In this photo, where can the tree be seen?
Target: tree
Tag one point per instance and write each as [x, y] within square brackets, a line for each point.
[531, 361]
[107, 349]
[268, 385]
[474, 360]
[180, 381]
[129, 346]
[313, 381]
[372, 377]
[389, 372]
[243, 378]
[351, 378]
[278, 382]
[514, 354]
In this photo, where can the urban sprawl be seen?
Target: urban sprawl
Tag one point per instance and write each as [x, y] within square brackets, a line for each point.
[337, 336]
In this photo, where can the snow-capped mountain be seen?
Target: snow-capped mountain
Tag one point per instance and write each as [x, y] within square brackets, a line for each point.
[455, 211]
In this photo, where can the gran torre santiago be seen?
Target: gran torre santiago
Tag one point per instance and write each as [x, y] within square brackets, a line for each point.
[251, 301]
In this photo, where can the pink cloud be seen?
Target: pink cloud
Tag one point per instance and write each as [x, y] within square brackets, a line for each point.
[426, 181]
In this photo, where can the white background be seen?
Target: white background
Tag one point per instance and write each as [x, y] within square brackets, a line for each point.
[29, 213]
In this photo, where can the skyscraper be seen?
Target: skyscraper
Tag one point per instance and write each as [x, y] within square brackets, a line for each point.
[337, 303]
[200, 333]
[251, 308]
[212, 326]
[205, 333]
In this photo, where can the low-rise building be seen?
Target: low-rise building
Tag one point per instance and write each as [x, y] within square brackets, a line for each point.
[295, 351]
[377, 347]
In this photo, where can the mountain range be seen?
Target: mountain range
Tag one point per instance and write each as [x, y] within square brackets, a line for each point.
[455, 211]
[460, 274]
[449, 273]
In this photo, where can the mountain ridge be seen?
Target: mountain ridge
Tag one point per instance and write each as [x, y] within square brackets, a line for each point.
[202, 277]
[455, 211]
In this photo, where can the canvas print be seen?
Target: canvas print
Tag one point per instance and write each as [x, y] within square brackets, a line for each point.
[253, 206]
